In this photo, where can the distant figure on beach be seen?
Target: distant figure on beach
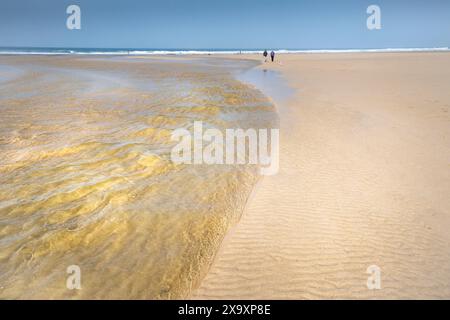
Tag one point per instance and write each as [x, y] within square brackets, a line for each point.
[265, 55]
[272, 55]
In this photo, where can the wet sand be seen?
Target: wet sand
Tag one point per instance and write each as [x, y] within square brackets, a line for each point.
[86, 177]
[364, 180]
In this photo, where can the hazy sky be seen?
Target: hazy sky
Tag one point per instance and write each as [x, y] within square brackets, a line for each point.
[294, 24]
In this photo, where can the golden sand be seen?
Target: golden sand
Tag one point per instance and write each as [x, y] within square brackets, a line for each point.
[364, 180]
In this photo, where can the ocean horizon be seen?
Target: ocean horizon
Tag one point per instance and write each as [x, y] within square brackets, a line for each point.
[190, 51]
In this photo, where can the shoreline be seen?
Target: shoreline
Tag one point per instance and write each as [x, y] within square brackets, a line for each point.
[363, 188]
[184, 52]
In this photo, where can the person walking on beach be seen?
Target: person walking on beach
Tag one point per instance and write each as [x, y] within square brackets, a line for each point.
[265, 55]
[272, 55]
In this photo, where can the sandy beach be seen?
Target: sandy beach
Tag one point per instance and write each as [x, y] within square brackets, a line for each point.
[87, 178]
[234, 157]
[364, 180]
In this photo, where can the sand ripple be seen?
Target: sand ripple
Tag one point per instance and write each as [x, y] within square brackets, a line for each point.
[86, 177]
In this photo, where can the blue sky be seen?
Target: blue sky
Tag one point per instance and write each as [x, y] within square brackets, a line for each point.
[227, 24]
